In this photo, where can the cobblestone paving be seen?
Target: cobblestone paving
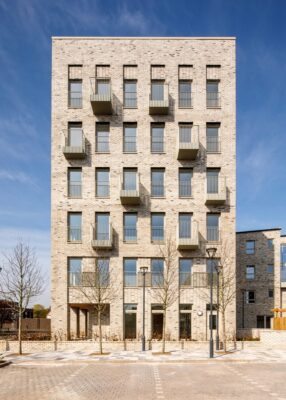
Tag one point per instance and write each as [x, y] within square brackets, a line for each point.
[82, 381]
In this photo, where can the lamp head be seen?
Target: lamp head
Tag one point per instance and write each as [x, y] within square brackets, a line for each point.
[211, 251]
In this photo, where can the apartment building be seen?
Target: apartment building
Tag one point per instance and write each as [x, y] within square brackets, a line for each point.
[143, 149]
[261, 276]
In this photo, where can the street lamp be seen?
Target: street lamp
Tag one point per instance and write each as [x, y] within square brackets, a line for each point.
[218, 268]
[211, 253]
[143, 271]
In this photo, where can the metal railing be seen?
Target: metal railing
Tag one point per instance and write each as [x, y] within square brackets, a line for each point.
[213, 99]
[89, 279]
[102, 235]
[102, 146]
[157, 146]
[157, 233]
[216, 188]
[157, 190]
[74, 234]
[185, 278]
[155, 94]
[190, 136]
[95, 95]
[213, 234]
[130, 279]
[70, 147]
[185, 100]
[102, 189]
[74, 189]
[130, 100]
[129, 146]
[75, 100]
[130, 234]
[185, 189]
[213, 145]
[157, 279]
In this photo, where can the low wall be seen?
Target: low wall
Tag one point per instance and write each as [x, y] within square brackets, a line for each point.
[248, 333]
[273, 338]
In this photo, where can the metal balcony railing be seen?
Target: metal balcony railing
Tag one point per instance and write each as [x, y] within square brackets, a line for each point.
[159, 100]
[213, 234]
[102, 189]
[216, 189]
[130, 146]
[188, 239]
[74, 234]
[189, 145]
[75, 100]
[89, 279]
[213, 145]
[130, 100]
[185, 189]
[157, 233]
[74, 149]
[129, 190]
[213, 100]
[130, 234]
[157, 190]
[74, 190]
[101, 100]
[185, 100]
[102, 238]
[185, 278]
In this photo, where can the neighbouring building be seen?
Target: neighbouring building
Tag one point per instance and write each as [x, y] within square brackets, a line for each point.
[261, 277]
[143, 148]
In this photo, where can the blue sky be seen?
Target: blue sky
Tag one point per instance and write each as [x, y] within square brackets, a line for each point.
[25, 64]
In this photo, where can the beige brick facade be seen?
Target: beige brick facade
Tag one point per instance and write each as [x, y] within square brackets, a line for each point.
[133, 57]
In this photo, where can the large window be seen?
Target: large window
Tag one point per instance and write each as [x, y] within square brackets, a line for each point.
[157, 90]
[157, 271]
[213, 227]
[103, 87]
[129, 179]
[102, 226]
[102, 182]
[75, 93]
[212, 180]
[74, 182]
[185, 268]
[185, 182]
[102, 271]
[213, 138]
[74, 226]
[74, 270]
[213, 94]
[157, 227]
[250, 272]
[130, 227]
[130, 311]
[129, 138]
[75, 136]
[263, 321]
[130, 271]
[250, 246]
[185, 226]
[157, 182]
[102, 138]
[185, 93]
[185, 133]
[130, 93]
[157, 138]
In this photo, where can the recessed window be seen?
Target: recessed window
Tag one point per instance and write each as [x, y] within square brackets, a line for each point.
[185, 182]
[213, 145]
[157, 227]
[74, 182]
[213, 227]
[157, 138]
[185, 270]
[130, 93]
[102, 137]
[157, 182]
[270, 244]
[185, 93]
[250, 246]
[130, 179]
[130, 271]
[74, 226]
[213, 98]
[250, 296]
[102, 226]
[250, 272]
[185, 225]
[212, 180]
[270, 293]
[130, 227]
[130, 313]
[74, 271]
[130, 138]
[75, 93]
[102, 182]
[157, 271]
[270, 269]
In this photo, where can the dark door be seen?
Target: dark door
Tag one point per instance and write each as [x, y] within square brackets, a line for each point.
[157, 326]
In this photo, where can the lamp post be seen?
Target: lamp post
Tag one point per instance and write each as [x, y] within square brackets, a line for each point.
[218, 269]
[143, 271]
[211, 253]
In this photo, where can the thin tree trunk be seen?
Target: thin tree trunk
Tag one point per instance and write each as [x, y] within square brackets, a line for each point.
[223, 330]
[100, 330]
[20, 333]
[164, 332]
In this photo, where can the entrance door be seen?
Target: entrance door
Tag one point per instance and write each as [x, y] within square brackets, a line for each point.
[185, 326]
[157, 326]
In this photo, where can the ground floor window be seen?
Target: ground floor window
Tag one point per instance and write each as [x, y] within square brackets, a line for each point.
[157, 321]
[263, 321]
[185, 321]
[130, 317]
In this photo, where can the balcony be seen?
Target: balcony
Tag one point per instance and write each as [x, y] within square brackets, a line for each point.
[76, 149]
[130, 195]
[159, 105]
[216, 191]
[102, 240]
[189, 145]
[101, 96]
[192, 242]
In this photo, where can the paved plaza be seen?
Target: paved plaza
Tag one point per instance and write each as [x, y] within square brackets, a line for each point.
[110, 380]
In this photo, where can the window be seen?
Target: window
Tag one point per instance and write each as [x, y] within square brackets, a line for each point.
[250, 246]
[102, 182]
[213, 94]
[212, 321]
[185, 321]
[212, 264]
[283, 263]
[75, 136]
[129, 179]
[157, 138]
[185, 93]
[212, 180]
[75, 93]
[212, 227]
[157, 90]
[250, 272]
[102, 270]
[212, 138]
[157, 182]
[130, 93]
[185, 226]
[157, 227]
[270, 293]
[129, 138]
[250, 296]
[102, 226]
[130, 272]
[130, 227]
[270, 269]
[74, 270]
[185, 133]
[130, 311]
[270, 244]
[74, 182]
[185, 268]
[74, 227]
[103, 87]
[157, 271]
[185, 182]
[102, 138]
[263, 321]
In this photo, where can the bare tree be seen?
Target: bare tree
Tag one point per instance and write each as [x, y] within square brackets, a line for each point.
[166, 291]
[20, 281]
[99, 289]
